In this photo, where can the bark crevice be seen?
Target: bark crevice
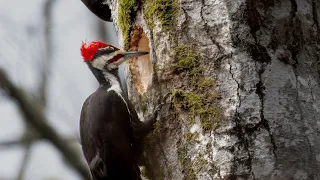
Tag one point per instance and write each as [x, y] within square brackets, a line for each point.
[243, 141]
[260, 88]
[207, 28]
[260, 55]
[294, 8]
[315, 16]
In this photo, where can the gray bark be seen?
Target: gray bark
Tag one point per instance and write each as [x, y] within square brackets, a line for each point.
[264, 59]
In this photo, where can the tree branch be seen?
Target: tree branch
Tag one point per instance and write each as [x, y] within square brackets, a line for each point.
[26, 140]
[37, 119]
[102, 30]
[47, 13]
[25, 161]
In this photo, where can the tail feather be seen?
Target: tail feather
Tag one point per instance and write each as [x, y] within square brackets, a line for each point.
[132, 173]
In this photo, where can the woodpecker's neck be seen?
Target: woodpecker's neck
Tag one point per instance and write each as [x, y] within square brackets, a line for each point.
[113, 82]
[108, 79]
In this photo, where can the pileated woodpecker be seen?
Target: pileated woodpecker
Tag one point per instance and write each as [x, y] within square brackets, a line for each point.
[99, 8]
[110, 129]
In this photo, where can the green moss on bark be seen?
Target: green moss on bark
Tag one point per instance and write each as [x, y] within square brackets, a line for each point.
[186, 164]
[127, 9]
[198, 104]
[164, 10]
[187, 58]
[199, 99]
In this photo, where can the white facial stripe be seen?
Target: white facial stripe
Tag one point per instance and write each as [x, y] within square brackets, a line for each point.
[112, 66]
[98, 63]
[101, 61]
[115, 86]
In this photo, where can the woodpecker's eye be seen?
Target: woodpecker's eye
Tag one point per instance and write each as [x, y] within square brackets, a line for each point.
[108, 48]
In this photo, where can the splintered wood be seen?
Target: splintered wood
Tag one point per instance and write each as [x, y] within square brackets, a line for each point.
[140, 67]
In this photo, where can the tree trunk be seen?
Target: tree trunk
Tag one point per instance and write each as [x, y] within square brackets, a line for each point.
[244, 82]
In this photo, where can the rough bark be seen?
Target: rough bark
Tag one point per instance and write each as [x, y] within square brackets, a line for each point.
[262, 56]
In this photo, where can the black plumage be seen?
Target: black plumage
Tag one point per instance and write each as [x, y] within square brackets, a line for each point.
[110, 129]
[107, 137]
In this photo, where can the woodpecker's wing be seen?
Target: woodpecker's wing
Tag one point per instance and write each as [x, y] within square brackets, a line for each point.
[107, 138]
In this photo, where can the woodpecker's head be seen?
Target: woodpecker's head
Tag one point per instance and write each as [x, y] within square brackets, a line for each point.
[105, 57]
[102, 58]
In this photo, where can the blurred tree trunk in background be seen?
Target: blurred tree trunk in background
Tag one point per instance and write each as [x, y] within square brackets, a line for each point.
[34, 106]
[42, 92]
[244, 78]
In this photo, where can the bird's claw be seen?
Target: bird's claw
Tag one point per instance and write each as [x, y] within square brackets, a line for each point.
[158, 108]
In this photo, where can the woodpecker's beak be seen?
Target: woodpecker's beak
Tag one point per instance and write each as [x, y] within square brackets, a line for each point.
[127, 55]
[132, 54]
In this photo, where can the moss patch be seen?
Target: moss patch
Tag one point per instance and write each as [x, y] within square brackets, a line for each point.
[164, 10]
[157, 127]
[186, 164]
[198, 104]
[205, 83]
[127, 9]
[199, 98]
[192, 168]
[187, 59]
[189, 136]
[188, 101]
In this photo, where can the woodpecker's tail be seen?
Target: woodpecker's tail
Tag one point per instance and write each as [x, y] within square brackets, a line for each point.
[132, 173]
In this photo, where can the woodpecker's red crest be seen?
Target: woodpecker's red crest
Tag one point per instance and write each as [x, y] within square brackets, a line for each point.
[89, 50]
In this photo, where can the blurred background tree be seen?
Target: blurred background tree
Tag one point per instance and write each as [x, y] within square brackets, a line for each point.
[40, 59]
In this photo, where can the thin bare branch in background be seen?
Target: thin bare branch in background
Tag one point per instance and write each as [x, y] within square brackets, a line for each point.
[35, 117]
[46, 61]
[27, 143]
[47, 12]
[25, 140]
[102, 32]
[11, 143]
[25, 161]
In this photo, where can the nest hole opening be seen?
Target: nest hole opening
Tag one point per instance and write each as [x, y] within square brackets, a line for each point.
[140, 67]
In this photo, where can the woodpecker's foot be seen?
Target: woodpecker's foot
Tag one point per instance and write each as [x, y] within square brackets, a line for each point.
[151, 120]
[159, 106]
[141, 129]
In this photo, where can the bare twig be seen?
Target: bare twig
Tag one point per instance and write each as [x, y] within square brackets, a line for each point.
[28, 135]
[26, 140]
[12, 143]
[102, 30]
[35, 116]
[47, 12]
[25, 161]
